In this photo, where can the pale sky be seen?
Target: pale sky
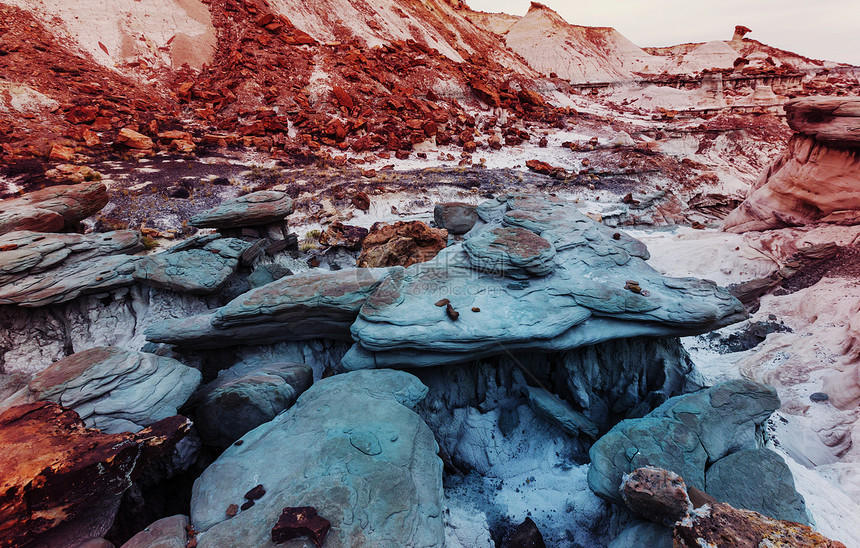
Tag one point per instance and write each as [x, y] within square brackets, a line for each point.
[819, 29]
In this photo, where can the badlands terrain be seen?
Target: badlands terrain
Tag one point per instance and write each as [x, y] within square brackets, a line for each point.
[395, 273]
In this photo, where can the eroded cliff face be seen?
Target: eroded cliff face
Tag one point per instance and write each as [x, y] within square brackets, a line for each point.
[817, 178]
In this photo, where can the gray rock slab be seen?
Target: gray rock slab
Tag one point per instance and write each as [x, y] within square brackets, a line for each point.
[254, 209]
[198, 271]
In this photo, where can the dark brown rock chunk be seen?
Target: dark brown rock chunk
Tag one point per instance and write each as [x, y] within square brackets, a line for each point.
[298, 522]
[341, 235]
[256, 493]
[453, 314]
[361, 201]
[526, 535]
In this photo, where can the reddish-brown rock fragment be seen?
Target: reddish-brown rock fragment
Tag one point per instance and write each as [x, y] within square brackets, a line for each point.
[298, 522]
[56, 470]
[402, 243]
[341, 235]
[722, 525]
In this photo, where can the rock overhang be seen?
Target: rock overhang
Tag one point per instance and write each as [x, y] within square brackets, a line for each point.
[537, 274]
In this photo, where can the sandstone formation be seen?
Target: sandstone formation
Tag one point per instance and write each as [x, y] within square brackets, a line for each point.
[38, 269]
[243, 398]
[536, 259]
[816, 178]
[352, 448]
[113, 389]
[401, 244]
[585, 298]
[52, 209]
[61, 481]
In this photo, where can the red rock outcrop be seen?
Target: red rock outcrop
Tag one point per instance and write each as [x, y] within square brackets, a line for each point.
[403, 243]
[817, 178]
[61, 479]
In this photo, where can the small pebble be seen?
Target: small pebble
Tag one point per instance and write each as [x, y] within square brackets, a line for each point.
[819, 397]
[232, 510]
[443, 302]
[255, 493]
[475, 309]
[238, 442]
[616, 236]
[453, 314]
[247, 505]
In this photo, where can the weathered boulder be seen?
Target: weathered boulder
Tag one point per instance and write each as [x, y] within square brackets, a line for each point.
[721, 525]
[61, 481]
[113, 389]
[243, 398]
[255, 209]
[169, 532]
[52, 209]
[38, 269]
[684, 435]
[305, 306]
[455, 217]
[772, 492]
[188, 269]
[403, 243]
[352, 448]
[657, 495]
[817, 177]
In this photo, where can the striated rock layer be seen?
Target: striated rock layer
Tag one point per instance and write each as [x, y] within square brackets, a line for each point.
[52, 209]
[817, 178]
[113, 389]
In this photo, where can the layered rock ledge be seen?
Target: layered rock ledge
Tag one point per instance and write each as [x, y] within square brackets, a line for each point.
[536, 274]
[817, 178]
